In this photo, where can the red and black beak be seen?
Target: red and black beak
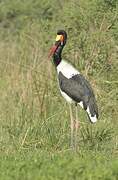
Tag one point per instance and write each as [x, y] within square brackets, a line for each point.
[59, 39]
[53, 49]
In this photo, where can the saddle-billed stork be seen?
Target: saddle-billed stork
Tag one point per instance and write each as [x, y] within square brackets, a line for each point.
[73, 86]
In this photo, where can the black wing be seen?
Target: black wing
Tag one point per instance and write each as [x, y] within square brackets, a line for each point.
[79, 89]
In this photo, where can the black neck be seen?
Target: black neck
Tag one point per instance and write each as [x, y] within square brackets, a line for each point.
[57, 55]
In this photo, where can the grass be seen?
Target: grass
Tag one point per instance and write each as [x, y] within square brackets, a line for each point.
[34, 118]
[60, 165]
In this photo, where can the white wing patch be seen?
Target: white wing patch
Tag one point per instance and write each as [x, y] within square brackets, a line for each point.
[67, 69]
[94, 118]
[68, 99]
[81, 104]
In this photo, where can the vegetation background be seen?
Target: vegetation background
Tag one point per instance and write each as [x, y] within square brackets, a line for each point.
[34, 119]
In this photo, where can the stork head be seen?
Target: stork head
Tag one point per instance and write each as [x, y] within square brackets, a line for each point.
[61, 37]
[59, 41]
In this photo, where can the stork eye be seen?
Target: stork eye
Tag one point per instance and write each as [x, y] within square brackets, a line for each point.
[62, 38]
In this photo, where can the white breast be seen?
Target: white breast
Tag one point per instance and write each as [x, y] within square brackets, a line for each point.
[67, 69]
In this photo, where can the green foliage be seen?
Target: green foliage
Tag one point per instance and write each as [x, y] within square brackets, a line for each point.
[64, 165]
[35, 124]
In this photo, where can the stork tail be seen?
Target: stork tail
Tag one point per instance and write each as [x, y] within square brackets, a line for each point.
[92, 110]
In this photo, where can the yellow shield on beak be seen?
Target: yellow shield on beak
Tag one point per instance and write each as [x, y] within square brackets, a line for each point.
[59, 37]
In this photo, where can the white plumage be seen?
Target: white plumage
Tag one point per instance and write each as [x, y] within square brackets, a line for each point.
[67, 69]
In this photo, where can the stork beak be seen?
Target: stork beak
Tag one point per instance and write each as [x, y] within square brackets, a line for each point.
[58, 39]
[53, 49]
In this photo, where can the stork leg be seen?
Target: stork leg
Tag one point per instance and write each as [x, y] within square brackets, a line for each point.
[76, 126]
[72, 127]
